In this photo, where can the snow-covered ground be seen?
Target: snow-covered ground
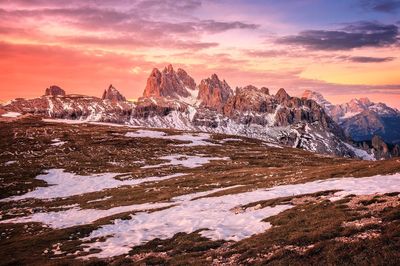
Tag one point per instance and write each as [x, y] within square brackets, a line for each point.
[63, 184]
[11, 114]
[188, 161]
[57, 142]
[189, 213]
[361, 153]
[229, 139]
[195, 139]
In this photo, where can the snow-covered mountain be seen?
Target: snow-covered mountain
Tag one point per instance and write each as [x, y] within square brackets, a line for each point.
[361, 119]
[172, 99]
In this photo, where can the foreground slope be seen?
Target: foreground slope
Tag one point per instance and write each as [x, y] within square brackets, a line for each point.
[93, 192]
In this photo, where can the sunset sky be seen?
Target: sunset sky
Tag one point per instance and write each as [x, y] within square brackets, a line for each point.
[343, 48]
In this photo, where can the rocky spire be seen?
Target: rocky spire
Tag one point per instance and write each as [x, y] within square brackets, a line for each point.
[169, 83]
[282, 95]
[319, 98]
[112, 94]
[54, 91]
[214, 93]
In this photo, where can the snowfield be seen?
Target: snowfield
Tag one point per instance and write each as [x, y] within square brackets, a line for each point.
[195, 139]
[187, 213]
[63, 184]
[185, 161]
[11, 114]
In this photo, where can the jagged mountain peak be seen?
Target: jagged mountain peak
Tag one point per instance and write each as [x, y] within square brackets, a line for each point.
[319, 98]
[282, 95]
[169, 69]
[313, 95]
[360, 103]
[214, 93]
[112, 94]
[172, 84]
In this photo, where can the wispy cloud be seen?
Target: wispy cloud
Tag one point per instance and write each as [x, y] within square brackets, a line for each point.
[368, 59]
[138, 23]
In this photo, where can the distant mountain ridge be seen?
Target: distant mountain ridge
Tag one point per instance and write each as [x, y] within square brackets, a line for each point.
[172, 99]
[361, 119]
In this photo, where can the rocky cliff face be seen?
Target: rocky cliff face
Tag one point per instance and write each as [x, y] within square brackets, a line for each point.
[112, 94]
[363, 126]
[168, 83]
[54, 91]
[317, 97]
[380, 147]
[250, 99]
[214, 93]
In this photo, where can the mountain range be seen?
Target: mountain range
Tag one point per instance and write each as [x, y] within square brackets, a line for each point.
[362, 119]
[172, 99]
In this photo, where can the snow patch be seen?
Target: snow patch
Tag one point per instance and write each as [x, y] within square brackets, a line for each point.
[360, 153]
[185, 161]
[57, 142]
[229, 139]
[146, 134]
[272, 145]
[11, 114]
[63, 184]
[189, 213]
[215, 215]
[102, 199]
[196, 139]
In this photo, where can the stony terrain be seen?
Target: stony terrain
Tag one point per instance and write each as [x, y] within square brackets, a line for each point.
[92, 193]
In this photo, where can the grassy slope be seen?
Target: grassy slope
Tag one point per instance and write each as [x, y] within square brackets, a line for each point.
[90, 149]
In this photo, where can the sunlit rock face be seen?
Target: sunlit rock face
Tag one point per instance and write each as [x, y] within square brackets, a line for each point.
[112, 94]
[169, 83]
[214, 93]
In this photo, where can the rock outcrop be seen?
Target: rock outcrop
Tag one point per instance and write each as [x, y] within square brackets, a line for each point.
[379, 148]
[54, 91]
[112, 94]
[214, 93]
[319, 98]
[250, 99]
[282, 95]
[168, 83]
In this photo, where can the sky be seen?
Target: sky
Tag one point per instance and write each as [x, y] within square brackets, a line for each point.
[344, 48]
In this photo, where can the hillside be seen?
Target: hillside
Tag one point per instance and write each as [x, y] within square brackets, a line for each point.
[116, 194]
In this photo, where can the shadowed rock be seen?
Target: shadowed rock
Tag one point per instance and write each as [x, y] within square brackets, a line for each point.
[54, 91]
[113, 94]
[282, 95]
